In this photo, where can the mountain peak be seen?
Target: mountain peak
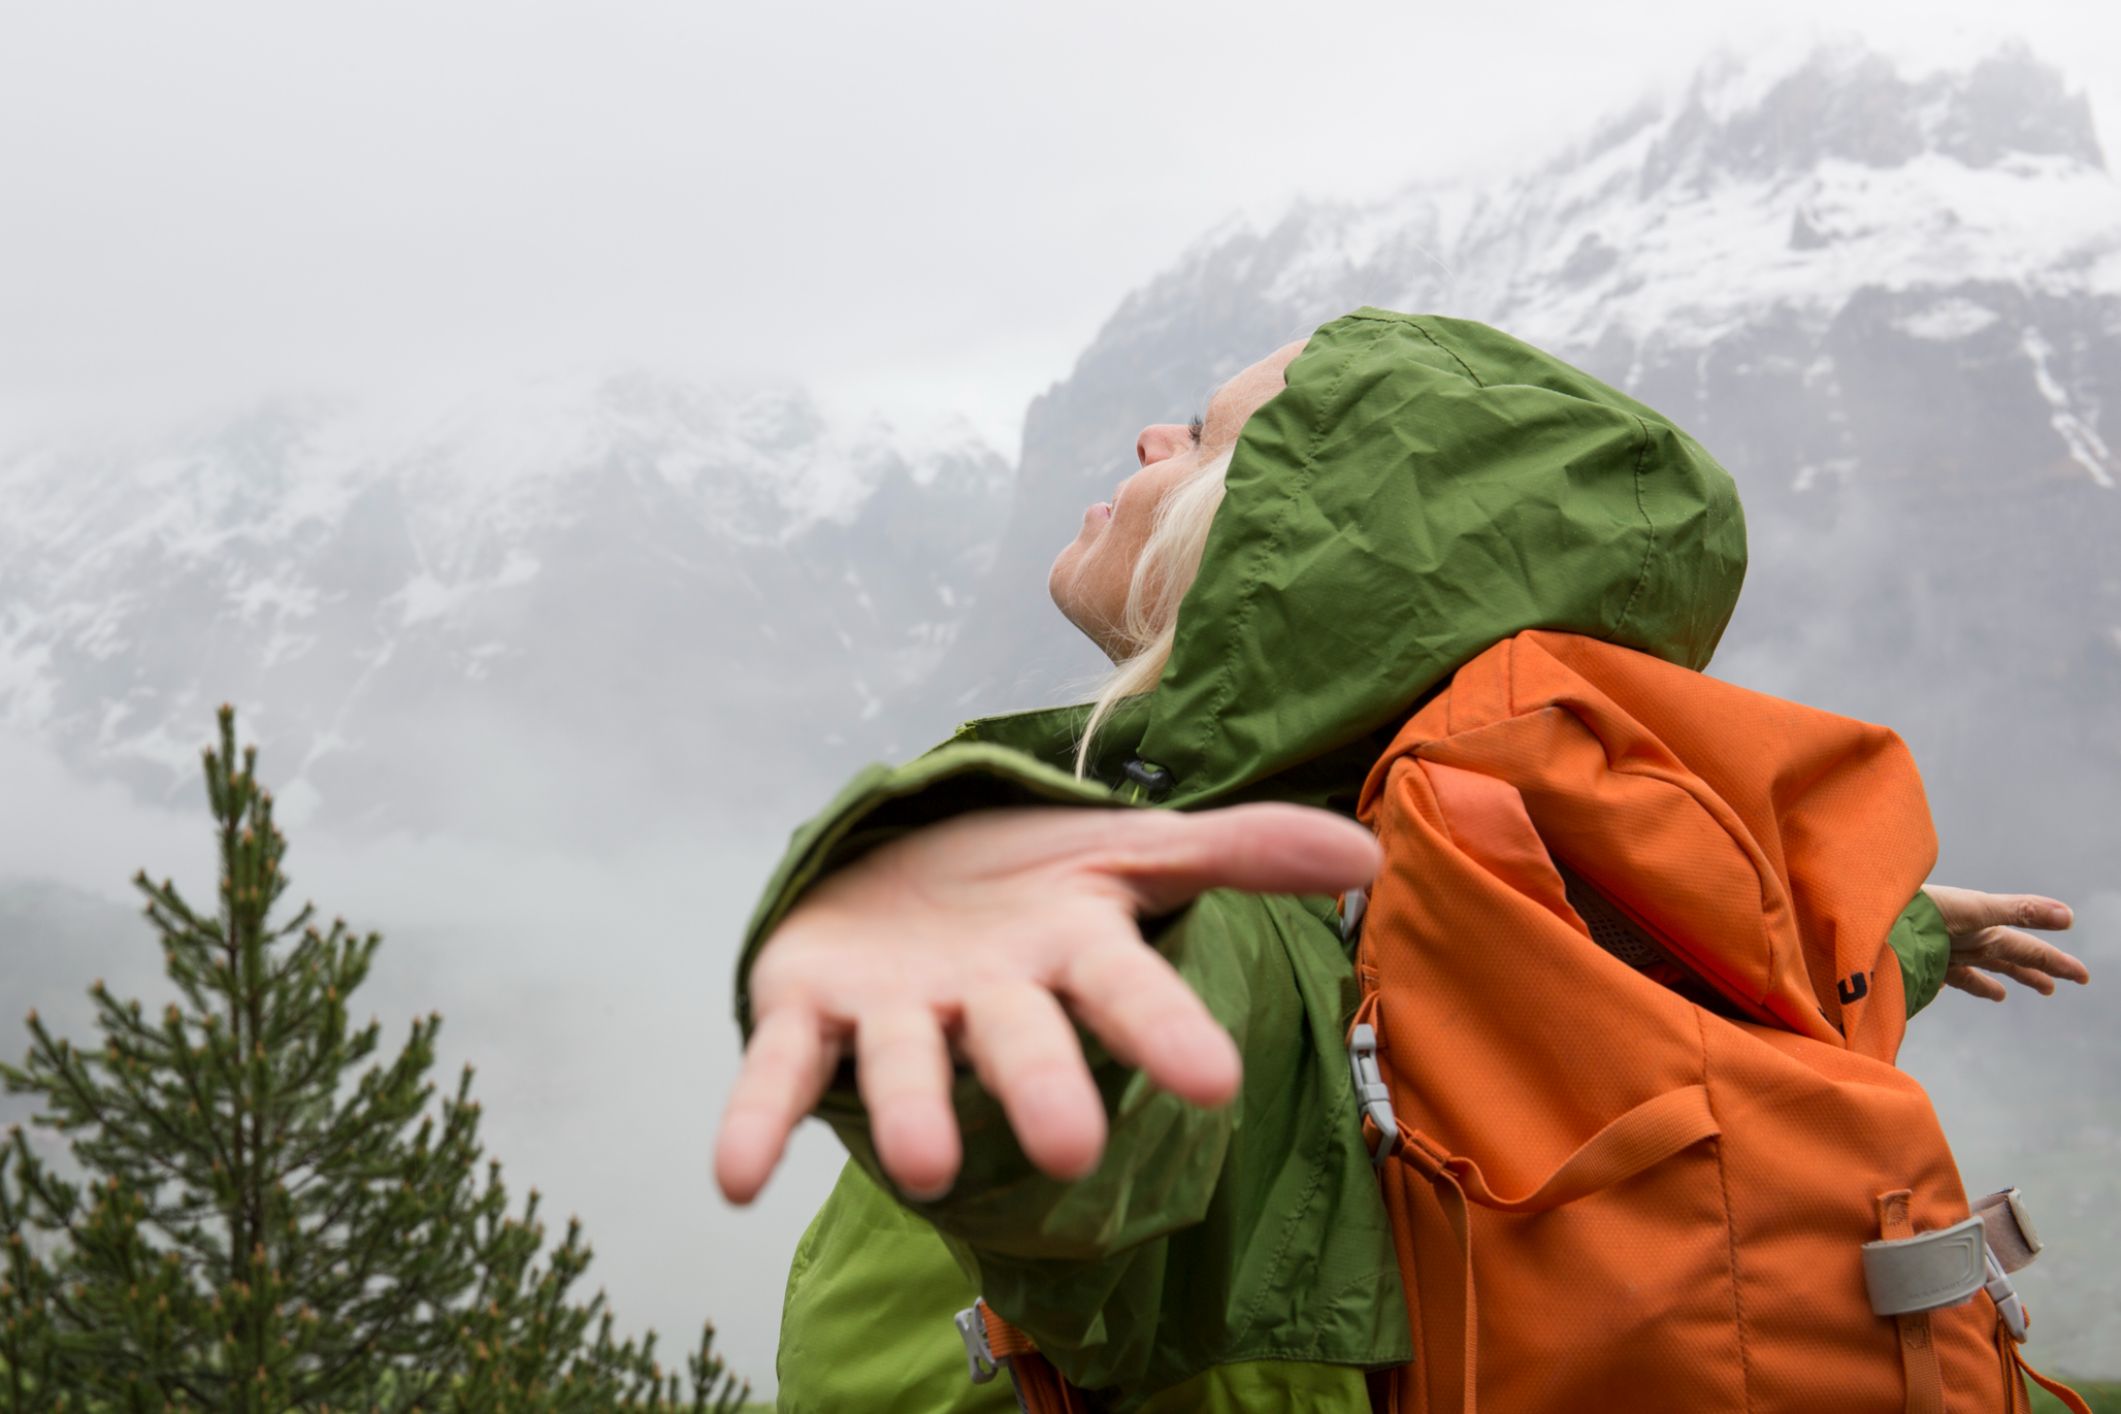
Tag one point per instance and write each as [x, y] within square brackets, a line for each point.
[1778, 113]
[1791, 179]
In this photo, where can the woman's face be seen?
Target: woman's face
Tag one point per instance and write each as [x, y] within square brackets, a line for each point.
[1090, 578]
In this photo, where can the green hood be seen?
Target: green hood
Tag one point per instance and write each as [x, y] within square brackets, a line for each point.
[1423, 488]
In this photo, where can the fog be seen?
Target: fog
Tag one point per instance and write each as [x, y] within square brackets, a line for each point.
[546, 729]
[923, 206]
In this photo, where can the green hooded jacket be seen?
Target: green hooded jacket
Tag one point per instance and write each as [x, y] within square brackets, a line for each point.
[1422, 488]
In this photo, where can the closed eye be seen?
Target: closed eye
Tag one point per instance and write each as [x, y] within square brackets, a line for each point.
[1196, 427]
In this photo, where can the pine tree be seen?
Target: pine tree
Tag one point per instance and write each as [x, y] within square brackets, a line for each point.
[270, 1216]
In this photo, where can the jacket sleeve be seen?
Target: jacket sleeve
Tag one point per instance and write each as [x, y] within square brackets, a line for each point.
[1200, 1215]
[1162, 1155]
[883, 802]
[1924, 947]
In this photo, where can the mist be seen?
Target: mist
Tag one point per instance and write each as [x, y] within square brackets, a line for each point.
[575, 438]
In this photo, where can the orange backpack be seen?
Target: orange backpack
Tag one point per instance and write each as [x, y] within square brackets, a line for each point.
[1626, 1046]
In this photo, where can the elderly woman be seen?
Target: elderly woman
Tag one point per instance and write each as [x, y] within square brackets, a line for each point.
[1089, 1058]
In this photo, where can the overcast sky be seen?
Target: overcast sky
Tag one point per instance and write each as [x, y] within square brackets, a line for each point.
[910, 207]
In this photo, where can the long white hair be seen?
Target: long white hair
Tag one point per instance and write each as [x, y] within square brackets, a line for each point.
[1170, 558]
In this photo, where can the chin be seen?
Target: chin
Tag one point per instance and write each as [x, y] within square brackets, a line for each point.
[1060, 580]
[1062, 584]
[1078, 602]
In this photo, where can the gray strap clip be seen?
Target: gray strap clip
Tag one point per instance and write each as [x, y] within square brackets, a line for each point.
[2010, 1229]
[1928, 1271]
[979, 1356]
[1371, 1091]
[2012, 1243]
[1946, 1267]
[2010, 1307]
[1353, 904]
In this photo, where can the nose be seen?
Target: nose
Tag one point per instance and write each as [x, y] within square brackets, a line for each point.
[1161, 440]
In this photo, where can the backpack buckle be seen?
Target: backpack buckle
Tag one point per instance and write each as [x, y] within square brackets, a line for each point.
[2011, 1243]
[1353, 904]
[2011, 1235]
[2010, 1306]
[1927, 1271]
[1371, 1091]
[979, 1356]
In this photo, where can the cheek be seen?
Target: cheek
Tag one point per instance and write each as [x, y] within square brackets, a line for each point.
[1106, 568]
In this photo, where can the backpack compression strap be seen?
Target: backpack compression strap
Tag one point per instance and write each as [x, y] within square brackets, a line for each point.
[1637, 1141]
[1913, 1273]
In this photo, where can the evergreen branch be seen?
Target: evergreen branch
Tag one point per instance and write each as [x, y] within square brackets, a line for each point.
[262, 1234]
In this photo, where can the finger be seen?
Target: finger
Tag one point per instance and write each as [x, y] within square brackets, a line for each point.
[2025, 950]
[2031, 977]
[1026, 1054]
[1967, 979]
[1167, 857]
[785, 1069]
[1968, 910]
[902, 1069]
[1142, 1010]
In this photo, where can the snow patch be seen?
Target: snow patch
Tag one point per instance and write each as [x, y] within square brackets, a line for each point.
[872, 705]
[426, 597]
[284, 597]
[161, 746]
[2086, 447]
[286, 647]
[478, 660]
[1949, 319]
[1808, 475]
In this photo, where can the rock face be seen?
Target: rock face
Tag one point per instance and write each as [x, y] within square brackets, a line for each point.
[429, 621]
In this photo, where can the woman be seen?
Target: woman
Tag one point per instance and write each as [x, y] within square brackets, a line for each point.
[1179, 1206]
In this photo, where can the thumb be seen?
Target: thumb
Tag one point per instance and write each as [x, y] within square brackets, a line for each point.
[1165, 857]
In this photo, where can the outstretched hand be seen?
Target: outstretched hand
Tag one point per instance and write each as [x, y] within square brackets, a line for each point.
[1987, 937]
[982, 936]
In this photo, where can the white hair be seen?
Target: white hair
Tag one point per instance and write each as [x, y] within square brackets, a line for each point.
[1169, 560]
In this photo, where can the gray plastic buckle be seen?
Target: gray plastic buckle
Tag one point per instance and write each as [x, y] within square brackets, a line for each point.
[979, 1356]
[1931, 1270]
[1371, 1091]
[2011, 1235]
[2014, 1204]
[1353, 904]
[2009, 1305]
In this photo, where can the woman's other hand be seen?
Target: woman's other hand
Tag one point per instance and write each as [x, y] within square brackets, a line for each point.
[981, 936]
[1987, 937]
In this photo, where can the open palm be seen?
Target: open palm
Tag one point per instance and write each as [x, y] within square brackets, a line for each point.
[986, 937]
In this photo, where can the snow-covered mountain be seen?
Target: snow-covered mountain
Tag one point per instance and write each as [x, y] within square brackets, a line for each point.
[1887, 300]
[427, 618]
[1890, 302]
